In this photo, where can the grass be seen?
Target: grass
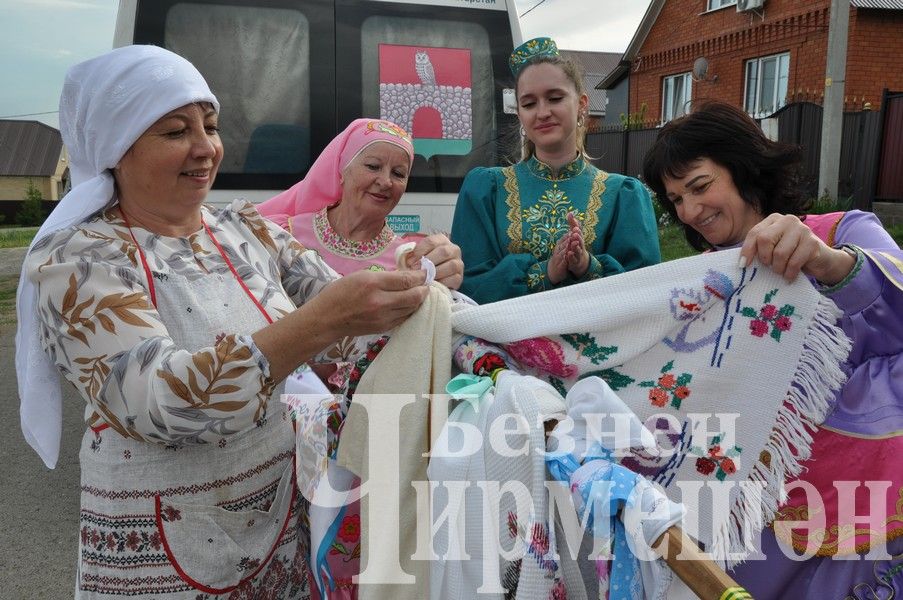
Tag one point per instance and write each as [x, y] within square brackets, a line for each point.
[896, 232]
[16, 237]
[673, 243]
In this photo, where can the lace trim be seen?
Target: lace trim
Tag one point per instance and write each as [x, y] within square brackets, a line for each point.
[341, 246]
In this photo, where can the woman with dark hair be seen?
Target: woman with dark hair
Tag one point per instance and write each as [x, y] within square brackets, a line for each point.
[552, 219]
[730, 186]
[767, 174]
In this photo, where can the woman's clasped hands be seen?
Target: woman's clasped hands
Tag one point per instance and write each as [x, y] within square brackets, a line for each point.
[570, 255]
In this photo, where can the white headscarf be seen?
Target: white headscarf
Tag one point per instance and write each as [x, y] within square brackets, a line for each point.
[107, 103]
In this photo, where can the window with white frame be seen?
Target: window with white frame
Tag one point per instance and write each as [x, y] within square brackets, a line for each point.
[766, 84]
[677, 90]
[716, 4]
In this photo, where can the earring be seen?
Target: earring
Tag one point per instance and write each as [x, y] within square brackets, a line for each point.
[523, 132]
[580, 120]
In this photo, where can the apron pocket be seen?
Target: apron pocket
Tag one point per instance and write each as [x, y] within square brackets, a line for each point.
[215, 550]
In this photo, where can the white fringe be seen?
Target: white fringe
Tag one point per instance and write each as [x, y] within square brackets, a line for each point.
[815, 383]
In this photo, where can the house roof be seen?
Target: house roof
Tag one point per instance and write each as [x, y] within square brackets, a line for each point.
[639, 36]
[885, 4]
[28, 148]
[595, 66]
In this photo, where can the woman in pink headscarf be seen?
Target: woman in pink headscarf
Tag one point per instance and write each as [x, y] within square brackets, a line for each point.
[339, 209]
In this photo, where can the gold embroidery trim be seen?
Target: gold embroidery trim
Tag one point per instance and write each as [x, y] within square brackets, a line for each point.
[834, 535]
[861, 436]
[895, 278]
[593, 206]
[515, 229]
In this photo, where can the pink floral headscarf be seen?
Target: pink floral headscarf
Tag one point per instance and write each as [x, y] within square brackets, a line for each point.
[323, 186]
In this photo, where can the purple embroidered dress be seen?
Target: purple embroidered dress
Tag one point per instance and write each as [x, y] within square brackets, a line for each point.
[860, 442]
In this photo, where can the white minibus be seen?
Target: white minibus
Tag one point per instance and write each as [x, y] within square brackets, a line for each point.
[291, 74]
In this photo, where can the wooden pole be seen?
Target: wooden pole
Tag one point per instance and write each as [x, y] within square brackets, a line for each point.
[704, 577]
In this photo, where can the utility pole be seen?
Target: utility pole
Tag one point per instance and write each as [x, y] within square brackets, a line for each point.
[832, 115]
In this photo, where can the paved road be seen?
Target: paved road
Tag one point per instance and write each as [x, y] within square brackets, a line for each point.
[38, 507]
[11, 260]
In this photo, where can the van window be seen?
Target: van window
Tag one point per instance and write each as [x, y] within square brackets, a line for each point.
[257, 62]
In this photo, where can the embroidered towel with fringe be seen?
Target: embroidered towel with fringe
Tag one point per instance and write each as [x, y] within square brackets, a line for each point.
[730, 368]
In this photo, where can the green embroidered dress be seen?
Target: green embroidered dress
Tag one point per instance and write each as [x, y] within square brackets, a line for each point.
[508, 220]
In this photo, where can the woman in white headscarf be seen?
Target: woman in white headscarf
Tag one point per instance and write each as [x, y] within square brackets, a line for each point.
[177, 323]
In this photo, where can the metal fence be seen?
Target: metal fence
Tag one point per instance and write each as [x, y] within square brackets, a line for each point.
[622, 151]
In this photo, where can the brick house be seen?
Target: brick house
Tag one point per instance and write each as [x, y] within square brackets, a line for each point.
[759, 58]
[30, 152]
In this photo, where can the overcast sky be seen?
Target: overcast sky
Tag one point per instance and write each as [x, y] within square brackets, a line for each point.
[40, 39]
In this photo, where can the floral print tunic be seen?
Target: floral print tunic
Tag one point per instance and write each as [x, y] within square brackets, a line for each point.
[107, 339]
[187, 485]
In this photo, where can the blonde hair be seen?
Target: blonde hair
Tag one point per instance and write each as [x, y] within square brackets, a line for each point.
[574, 72]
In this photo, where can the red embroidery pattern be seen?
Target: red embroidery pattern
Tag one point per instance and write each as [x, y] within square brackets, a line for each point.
[769, 317]
[668, 387]
[716, 460]
[187, 489]
[541, 353]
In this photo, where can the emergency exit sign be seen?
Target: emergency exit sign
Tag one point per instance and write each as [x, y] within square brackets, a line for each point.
[404, 223]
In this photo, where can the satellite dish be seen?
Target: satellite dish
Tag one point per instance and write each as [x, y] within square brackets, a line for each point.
[700, 68]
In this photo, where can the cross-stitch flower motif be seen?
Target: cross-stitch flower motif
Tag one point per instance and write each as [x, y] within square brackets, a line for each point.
[350, 529]
[768, 311]
[716, 460]
[349, 533]
[705, 465]
[169, 513]
[758, 328]
[769, 317]
[658, 397]
[667, 386]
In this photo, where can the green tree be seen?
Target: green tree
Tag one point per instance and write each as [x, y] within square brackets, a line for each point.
[31, 213]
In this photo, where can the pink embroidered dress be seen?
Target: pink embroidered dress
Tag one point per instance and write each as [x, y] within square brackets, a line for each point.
[335, 536]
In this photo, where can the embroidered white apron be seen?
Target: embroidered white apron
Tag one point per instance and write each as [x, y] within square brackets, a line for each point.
[198, 520]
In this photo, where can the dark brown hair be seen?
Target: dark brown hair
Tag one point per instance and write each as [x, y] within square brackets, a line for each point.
[767, 174]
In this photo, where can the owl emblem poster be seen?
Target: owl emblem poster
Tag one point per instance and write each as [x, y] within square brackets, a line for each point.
[428, 92]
